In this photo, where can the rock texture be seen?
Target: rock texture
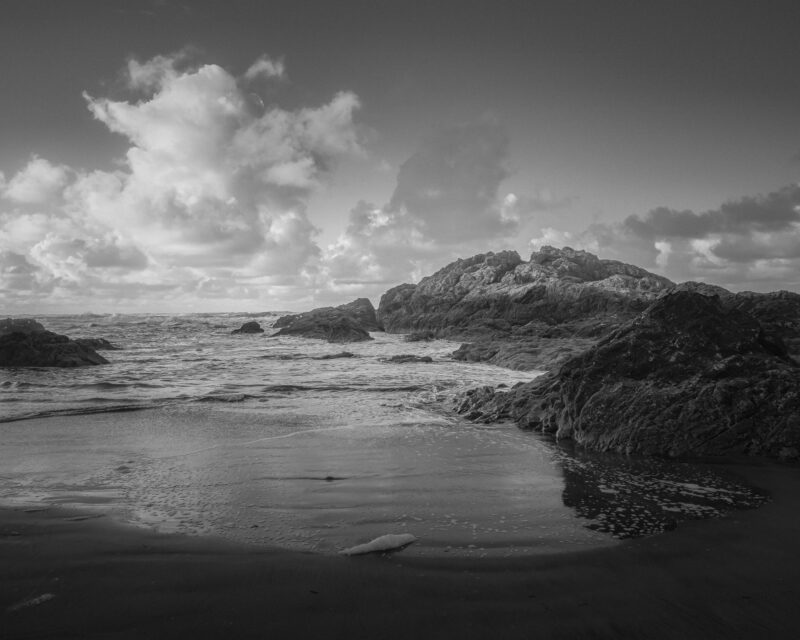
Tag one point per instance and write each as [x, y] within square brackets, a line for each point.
[777, 311]
[542, 354]
[499, 292]
[350, 322]
[692, 375]
[248, 327]
[363, 312]
[26, 343]
[360, 310]
[326, 323]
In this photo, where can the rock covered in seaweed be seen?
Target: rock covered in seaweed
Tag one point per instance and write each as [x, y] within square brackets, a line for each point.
[499, 291]
[690, 376]
[350, 322]
[360, 310]
[26, 343]
[328, 324]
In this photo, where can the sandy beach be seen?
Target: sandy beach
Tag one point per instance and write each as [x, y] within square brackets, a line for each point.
[68, 576]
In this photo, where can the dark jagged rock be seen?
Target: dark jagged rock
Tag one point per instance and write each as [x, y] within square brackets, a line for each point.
[360, 310]
[349, 322]
[690, 376]
[405, 358]
[363, 312]
[499, 291]
[335, 356]
[326, 323]
[777, 311]
[248, 327]
[542, 354]
[41, 348]
[98, 344]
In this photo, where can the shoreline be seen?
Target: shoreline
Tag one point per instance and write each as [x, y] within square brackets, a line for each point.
[730, 577]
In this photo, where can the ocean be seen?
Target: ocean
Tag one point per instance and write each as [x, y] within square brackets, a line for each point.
[266, 440]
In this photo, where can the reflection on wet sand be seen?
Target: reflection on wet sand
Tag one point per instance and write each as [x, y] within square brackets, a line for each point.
[634, 497]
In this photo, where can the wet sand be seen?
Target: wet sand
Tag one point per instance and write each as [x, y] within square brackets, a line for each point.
[735, 577]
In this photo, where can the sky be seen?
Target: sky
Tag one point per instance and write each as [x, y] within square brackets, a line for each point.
[185, 156]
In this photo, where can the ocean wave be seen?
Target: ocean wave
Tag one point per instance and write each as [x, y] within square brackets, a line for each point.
[288, 388]
[79, 411]
[226, 397]
[110, 386]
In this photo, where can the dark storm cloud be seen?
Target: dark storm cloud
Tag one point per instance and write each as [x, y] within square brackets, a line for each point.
[450, 184]
[775, 212]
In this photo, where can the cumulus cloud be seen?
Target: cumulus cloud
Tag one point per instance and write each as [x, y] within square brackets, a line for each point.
[265, 67]
[213, 188]
[752, 242]
[38, 182]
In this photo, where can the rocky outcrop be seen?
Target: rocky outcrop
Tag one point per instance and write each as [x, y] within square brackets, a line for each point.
[326, 323]
[497, 292]
[692, 375]
[360, 310]
[26, 343]
[350, 322]
[363, 312]
[248, 327]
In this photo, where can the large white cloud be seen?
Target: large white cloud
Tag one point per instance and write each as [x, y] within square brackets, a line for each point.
[213, 187]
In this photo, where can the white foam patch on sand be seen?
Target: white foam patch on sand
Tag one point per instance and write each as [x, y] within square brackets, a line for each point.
[389, 542]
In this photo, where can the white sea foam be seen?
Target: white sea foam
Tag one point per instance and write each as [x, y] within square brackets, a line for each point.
[389, 542]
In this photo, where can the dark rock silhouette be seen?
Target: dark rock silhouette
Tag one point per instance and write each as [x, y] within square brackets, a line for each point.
[363, 312]
[692, 375]
[360, 310]
[326, 323]
[248, 327]
[26, 343]
[336, 356]
[349, 322]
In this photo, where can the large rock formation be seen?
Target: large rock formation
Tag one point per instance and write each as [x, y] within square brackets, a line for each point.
[350, 322]
[692, 375]
[26, 343]
[363, 312]
[360, 310]
[498, 292]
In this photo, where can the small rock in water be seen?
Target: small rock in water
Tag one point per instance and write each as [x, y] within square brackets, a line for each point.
[249, 327]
